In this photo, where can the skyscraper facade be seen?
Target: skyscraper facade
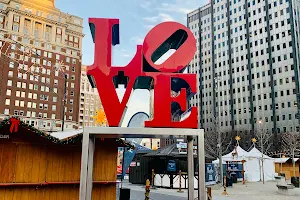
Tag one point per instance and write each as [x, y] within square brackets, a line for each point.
[247, 60]
[40, 64]
[89, 101]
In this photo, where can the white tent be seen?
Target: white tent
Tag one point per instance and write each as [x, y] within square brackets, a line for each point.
[236, 155]
[254, 170]
[240, 155]
[252, 166]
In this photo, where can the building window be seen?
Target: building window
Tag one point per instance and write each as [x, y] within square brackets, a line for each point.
[12, 55]
[53, 107]
[7, 102]
[10, 74]
[16, 18]
[27, 26]
[11, 64]
[17, 103]
[48, 33]
[8, 92]
[16, 27]
[6, 111]
[9, 83]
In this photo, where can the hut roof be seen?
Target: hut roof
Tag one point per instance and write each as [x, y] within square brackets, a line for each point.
[171, 151]
[286, 160]
[65, 137]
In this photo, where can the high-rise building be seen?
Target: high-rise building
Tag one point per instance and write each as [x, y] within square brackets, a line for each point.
[247, 60]
[89, 101]
[40, 63]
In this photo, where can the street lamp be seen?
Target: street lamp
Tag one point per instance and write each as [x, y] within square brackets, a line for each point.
[262, 150]
[218, 130]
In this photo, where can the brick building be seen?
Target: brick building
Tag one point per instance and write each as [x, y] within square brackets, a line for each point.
[40, 62]
[89, 101]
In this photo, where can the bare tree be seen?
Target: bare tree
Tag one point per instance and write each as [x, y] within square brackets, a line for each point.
[291, 145]
[264, 143]
[212, 144]
[217, 142]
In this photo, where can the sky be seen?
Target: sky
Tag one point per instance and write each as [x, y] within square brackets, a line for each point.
[137, 17]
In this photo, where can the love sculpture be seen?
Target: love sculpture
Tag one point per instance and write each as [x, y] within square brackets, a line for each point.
[142, 70]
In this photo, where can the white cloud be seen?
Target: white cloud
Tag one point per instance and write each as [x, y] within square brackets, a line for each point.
[124, 53]
[148, 27]
[151, 19]
[161, 17]
[137, 39]
[147, 4]
[177, 8]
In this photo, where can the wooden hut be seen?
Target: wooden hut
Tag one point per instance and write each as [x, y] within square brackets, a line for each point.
[285, 165]
[37, 166]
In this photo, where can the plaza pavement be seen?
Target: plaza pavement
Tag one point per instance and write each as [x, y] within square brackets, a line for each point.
[249, 191]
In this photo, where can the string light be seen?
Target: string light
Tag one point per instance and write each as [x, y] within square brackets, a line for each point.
[71, 140]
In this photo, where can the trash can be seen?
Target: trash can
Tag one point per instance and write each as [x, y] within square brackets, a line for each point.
[124, 194]
[228, 182]
[295, 181]
[234, 177]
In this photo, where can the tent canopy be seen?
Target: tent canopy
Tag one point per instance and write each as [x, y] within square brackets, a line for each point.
[241, 155]
[253, 164]
[255, 153]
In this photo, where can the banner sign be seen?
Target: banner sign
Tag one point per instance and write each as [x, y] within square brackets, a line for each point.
[210, 174]
[129, 155]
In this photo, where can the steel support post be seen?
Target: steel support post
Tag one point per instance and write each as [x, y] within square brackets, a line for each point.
[190, 153]
[201, 167]
[89, 185]
[87, 163]
[84, 166]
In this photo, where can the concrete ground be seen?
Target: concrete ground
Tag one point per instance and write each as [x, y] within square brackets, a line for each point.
[249, 191]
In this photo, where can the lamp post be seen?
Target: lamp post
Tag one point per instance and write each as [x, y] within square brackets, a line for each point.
[262, 150]
[218, 131]
[64, 102]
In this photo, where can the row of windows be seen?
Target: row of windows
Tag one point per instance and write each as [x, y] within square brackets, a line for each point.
[37, 44]
[30, 95]
[33, 114]
[27, 50]
[38, 78]
[258, 74]
[35, 87]
[282, 93]
[267, 119]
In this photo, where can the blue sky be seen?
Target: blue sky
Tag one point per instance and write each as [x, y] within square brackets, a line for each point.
[137, 17]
